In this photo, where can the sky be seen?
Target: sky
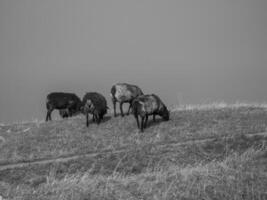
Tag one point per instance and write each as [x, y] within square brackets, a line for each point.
[186, 51]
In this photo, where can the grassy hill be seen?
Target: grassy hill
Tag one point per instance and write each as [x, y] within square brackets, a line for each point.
[204, 152]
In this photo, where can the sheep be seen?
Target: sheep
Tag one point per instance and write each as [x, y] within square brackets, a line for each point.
[62, 101]
[124, 93]
[95, 104]
[146, 105]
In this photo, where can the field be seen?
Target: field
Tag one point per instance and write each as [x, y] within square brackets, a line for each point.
[204, 152]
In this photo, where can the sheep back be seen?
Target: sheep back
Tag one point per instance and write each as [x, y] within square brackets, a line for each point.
[124, 92]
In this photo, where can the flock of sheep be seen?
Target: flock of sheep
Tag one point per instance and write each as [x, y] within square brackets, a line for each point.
[95, 104]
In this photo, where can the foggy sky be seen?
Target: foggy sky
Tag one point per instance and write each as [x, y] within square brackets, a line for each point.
[186, 51]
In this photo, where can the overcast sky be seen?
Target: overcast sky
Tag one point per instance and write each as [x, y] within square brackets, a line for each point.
[186, 51]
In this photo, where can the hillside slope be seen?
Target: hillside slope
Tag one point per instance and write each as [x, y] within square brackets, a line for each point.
[208, 152]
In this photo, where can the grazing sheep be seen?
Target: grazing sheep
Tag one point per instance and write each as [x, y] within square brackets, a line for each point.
[146, 105]
[62, 101]
[95, 104]
[124, 93]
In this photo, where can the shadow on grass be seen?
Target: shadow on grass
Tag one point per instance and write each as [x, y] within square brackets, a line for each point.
[105, 119]
[151, 122]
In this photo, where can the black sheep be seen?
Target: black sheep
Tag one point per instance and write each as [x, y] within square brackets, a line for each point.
[146, 105]
[95, 104]
[62, 101]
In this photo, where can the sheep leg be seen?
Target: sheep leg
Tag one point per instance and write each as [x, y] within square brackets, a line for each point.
[146, 118]
[97, 119]
[121, 109]
[94, 119]
[130, 106]
[154, 117]
[114, 107]
[64, 114]
[70, 109]
[69, 113]
[87, 119]
[48, 115]
[142, 123]
[137, 121]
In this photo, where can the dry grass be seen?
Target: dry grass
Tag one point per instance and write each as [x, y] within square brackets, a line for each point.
[218, 105]
[201, 153]
[235, 177]
[33, 140]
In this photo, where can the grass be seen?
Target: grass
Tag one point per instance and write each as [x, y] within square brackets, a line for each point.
[203, 152]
